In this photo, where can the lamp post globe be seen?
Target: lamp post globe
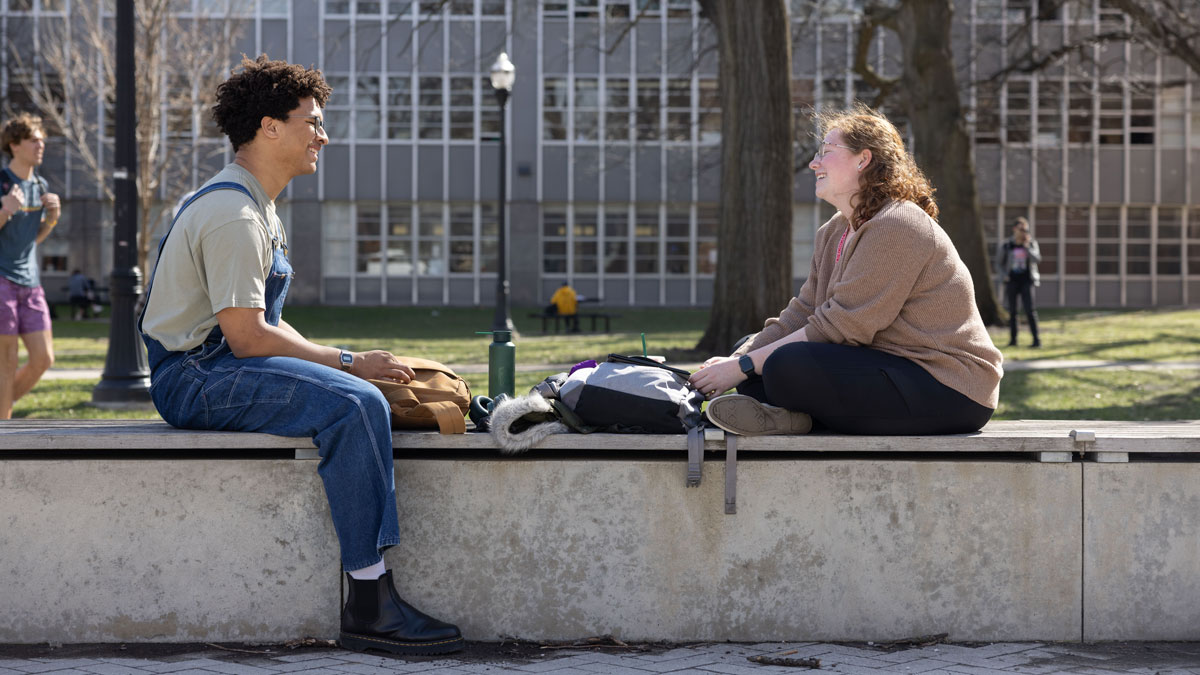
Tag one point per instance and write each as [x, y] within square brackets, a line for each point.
[503, 75]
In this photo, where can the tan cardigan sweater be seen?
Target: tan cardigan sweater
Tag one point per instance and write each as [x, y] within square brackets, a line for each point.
[901, 288]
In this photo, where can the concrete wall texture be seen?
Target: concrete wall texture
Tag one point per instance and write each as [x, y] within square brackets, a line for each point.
[165, 551]
[199, 550]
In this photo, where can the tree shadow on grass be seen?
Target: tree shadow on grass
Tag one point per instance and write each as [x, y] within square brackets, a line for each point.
[1019, 389]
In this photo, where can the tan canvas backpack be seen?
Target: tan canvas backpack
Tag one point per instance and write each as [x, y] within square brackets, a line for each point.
[436, 398]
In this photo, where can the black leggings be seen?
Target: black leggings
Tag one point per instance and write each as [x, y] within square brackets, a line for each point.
[857, 390]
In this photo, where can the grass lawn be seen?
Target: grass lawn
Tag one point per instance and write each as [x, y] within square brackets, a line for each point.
[448, 335]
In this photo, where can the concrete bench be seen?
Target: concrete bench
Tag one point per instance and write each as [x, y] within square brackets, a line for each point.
[134, 531]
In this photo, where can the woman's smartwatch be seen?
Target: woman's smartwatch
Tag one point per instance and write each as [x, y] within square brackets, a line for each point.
[747, 366]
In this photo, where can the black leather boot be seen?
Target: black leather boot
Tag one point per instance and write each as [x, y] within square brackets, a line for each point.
[376, 618]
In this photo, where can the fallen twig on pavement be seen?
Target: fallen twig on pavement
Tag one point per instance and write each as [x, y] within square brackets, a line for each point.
[781, 659]
[240, 651]
[918, 641]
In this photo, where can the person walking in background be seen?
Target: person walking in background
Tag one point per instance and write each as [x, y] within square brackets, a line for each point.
[28, 212]
[566, 304]
[1017, 262]
[884, 337]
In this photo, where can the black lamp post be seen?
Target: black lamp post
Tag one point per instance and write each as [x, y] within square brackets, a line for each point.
[126, 378]
[503, 74]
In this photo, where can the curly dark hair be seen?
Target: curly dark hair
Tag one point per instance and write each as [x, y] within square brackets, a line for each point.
[264, 88]
[892, 173]
[20, 128]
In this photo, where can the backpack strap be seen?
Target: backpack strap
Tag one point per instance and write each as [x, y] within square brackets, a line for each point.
[449, 416]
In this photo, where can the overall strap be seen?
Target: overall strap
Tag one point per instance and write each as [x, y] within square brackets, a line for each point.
[223, 185]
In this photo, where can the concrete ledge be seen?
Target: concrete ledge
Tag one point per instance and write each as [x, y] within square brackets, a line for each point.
[1142, 538]
[165, 551]
[995, 546]
[822, 550]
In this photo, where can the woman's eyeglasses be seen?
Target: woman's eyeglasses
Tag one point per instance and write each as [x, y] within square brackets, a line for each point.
[821, 151]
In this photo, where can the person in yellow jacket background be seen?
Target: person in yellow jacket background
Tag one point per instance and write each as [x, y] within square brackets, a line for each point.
[566, 303]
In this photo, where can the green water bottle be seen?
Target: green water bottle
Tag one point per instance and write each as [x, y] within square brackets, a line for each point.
[502, 363]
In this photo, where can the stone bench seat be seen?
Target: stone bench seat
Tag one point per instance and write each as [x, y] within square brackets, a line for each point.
[117, 530]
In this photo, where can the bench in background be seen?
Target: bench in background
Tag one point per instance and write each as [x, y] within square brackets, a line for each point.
[123, 531]
[561, 321]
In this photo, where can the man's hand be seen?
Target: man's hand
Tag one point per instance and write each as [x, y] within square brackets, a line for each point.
[380, 365]
[53, 208]
[14, 201]
[717, 376]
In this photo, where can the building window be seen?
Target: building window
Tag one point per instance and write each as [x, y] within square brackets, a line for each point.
[1078, 234]
[679, 110]
[399, 114]
[648, 106]
[1079, 113]
[554, 109]
[554, 240]
[337, 110]
[366, 106]
[1112, 113]
[462, 239]
[1108, 240]
[587, 109]
[1017, 124]
[1170, 241]
[337, 223]
[1141, 113]
[710, 110]
[1045, 232]
[616, 115]
[1137, 241]
[616, 240]
[429, 107]
[679, 229]
[431, 232]
[369, 242]
[462, 108]
[1049, 133]
[645, 247]
[586, 241]
[399, 240]
[1193, 229]
[707, 217]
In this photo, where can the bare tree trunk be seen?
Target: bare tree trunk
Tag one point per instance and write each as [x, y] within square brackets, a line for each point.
[941, 142]
[754, 265]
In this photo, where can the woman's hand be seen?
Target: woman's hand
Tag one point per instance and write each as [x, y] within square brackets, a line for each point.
[380, 365]
[717, 376]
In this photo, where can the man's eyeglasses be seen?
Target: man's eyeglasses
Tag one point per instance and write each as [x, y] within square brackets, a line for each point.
[821, 151]
[317, 123]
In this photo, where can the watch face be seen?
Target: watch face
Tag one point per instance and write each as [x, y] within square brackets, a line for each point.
[746, 364]
[347, 360]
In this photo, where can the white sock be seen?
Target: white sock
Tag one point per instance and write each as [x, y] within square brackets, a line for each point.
[369, 573]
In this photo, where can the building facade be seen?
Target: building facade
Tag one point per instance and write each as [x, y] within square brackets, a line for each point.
[614, 133]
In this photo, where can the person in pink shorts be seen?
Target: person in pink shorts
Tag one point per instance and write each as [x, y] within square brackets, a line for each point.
[28, 212]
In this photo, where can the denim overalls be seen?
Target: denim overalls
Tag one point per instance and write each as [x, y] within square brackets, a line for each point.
[349, 420]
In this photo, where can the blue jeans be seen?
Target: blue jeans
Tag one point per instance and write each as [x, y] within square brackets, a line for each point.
[347, 418]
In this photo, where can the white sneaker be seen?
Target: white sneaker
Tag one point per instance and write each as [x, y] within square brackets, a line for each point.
[746, 416]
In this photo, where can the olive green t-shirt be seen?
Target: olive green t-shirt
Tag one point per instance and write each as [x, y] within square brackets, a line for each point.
[217, 256]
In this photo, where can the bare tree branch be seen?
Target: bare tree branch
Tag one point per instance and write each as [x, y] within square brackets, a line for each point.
[1170, 27]
[179, 64]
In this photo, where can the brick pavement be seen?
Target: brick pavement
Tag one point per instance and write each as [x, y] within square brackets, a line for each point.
[1177, 658]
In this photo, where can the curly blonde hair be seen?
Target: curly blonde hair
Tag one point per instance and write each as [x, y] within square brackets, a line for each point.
[892, 173]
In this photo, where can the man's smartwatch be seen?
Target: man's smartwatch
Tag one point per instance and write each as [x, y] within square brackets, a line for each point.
[346, 359]
[747, 366]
